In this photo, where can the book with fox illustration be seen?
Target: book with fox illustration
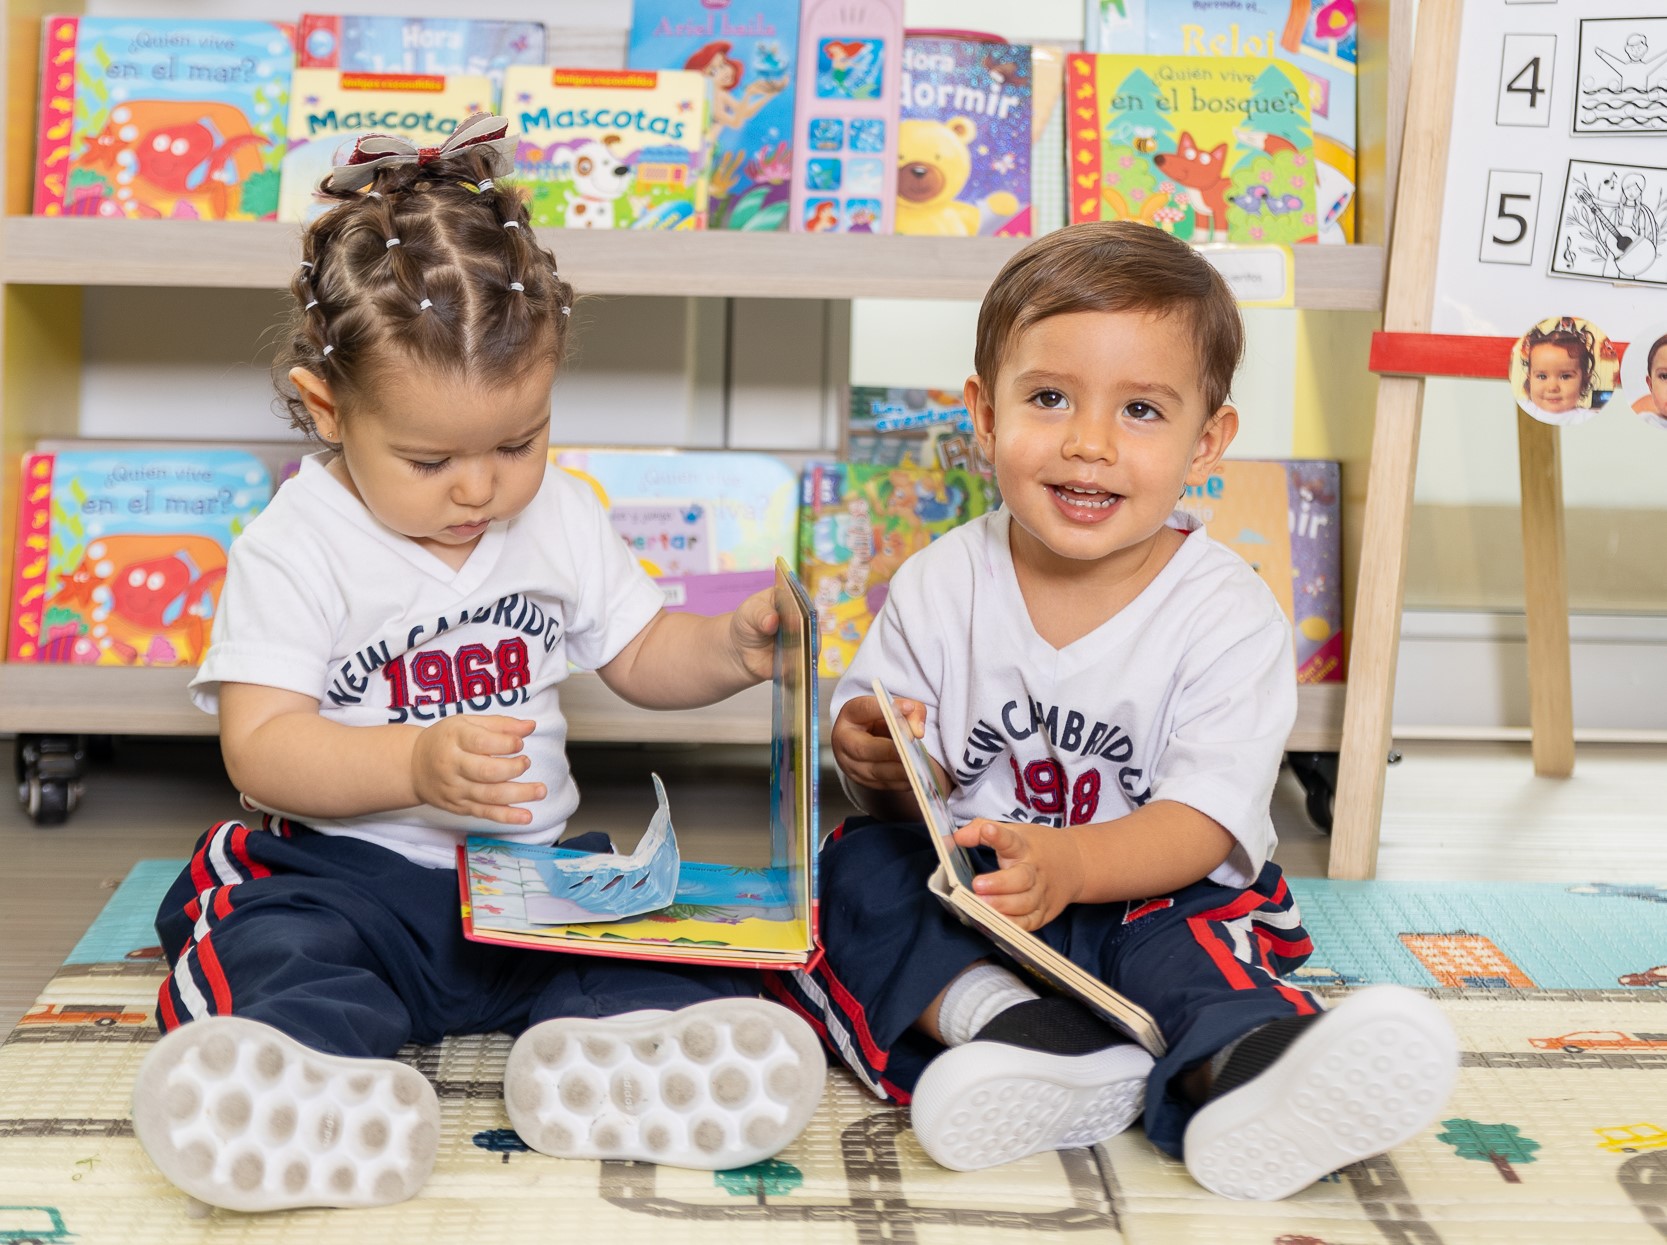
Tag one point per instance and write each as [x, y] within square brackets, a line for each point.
[525, 896]
[179, 119]
[610, 148]
[121, 553]
[1210, 149]
[952, 884]
[418, 45]
[330, 109]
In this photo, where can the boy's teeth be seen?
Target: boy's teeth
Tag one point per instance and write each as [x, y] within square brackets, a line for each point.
[1088, 499]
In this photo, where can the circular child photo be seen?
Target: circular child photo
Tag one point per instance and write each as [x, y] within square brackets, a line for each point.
[1644, 375]
[1563, 370]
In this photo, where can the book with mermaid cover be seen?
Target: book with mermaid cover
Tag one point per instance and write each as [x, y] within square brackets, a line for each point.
[952, 884]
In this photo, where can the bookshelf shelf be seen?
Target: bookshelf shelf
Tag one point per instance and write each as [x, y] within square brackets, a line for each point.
[57, 251]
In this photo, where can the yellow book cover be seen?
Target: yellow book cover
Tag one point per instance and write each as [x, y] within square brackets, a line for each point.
[1210, 149]
[331, 108]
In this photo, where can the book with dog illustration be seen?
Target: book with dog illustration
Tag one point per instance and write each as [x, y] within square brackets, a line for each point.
[121, 552]
[610, 148]
[745, 917]
[748, 51]
[418, 45]
[964, 138]
[332, 108]
[952, 884]
[180, 119]
[1208, 148]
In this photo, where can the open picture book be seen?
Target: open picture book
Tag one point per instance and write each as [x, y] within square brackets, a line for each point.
[652, 904]
[952, 884]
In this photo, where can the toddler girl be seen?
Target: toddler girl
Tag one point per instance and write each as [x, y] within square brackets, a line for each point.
[1560, 366]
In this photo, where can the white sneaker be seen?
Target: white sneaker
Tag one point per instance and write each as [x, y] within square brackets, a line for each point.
[987, 1102]
[714, 1085]
[1364, 1077]
[241, 1116]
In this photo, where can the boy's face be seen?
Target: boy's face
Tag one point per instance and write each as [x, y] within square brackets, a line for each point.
[1554, 380]
[1094, 423]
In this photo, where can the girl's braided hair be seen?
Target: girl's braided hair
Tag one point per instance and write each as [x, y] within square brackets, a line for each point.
[434, 263]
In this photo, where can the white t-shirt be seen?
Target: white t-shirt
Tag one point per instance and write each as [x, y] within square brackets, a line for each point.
[322, 599]
[1188, 693]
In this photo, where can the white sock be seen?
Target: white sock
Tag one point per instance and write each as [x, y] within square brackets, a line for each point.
[977, 997]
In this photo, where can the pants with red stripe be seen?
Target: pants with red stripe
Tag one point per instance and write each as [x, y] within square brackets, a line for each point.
[352, 949]
[1206, 962]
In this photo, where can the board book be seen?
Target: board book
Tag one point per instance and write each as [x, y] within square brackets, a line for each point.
[418, 45]
[719, 914]
[748, 52]
[895, 427]
[1210, 149]
[952, 884]
[964, 138]
[857, 524]
[330, 109]
[610, 148]
[178, 119]
[121, 554]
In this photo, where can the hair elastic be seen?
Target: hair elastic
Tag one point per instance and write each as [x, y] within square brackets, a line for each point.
[391, 244]
[484, 185]
[424, 305]
[512, 224]
[310, 305]
[517, 287]
[306, 263]
[326, 353]
[566, 310]
[373, 194]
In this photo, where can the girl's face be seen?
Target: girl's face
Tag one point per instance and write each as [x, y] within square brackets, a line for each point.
[1555, 379]
[1658, 381]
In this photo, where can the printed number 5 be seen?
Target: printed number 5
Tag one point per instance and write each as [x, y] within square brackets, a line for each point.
[1522, 221]
[1511, 209]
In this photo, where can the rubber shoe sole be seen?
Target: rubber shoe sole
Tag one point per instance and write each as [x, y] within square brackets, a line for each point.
[986, 1103]
[715, 1085]
[1372, 1073]
[241, 1116]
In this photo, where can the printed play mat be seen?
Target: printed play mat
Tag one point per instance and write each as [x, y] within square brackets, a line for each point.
[1557, 1131]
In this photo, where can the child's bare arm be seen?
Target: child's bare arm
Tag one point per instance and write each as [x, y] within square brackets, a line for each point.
[282, 754]
[681, 661]
[1154, 850]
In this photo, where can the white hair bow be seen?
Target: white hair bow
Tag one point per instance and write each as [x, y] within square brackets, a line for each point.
[375, 151]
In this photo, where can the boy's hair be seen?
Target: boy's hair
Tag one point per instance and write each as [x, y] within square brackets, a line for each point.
[432, 266]
[1579, 343]
[1649, 359]
[1114, 266]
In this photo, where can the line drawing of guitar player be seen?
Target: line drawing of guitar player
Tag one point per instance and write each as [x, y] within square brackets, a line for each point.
[1625, 232]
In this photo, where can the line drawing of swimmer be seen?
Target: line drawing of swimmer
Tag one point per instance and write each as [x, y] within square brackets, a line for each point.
[1634, 72]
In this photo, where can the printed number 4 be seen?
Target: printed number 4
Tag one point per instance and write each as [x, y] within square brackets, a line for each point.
[1041, 787]
[1533, 90]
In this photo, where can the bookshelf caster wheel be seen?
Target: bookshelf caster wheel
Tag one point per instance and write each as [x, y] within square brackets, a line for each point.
[50, 774]
[1317, 771]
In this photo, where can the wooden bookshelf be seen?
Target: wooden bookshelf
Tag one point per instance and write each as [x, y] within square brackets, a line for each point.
[53, 251]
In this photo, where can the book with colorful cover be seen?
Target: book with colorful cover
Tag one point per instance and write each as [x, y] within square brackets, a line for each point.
[708, 525]
[418, 45]
[610, 148]
[718, 914]
[162, 118]
[121, 553]
[1314, 37]
[894, 427]
[748, 50]
[1210, 149]
[330, 109]
[964, 138]
[857, 524]
[1283, 517]
[1047, 128]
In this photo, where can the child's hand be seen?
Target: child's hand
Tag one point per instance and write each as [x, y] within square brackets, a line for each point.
[862, 745]
[465, 766]
[752, 630]
[1041, 869]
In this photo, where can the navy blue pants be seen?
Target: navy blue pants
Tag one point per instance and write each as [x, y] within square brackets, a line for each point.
[352, 949]
[1206, 961]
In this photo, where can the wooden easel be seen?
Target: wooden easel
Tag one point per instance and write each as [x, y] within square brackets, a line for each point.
[1408, 306]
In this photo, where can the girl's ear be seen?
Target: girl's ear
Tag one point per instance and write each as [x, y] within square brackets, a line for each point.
[320, 403]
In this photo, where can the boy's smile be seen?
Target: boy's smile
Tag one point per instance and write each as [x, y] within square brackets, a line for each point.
[1095, 423]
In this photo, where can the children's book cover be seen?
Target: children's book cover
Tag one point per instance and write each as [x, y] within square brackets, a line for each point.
[964, 138]
[418, 45]
[1314, 37]
[1210, 149]
[1282, 517]
[748, 50]
[179, 119]
[610, 148]
[330, 109]
[760, 917]
[930, 428]
[121, 553]
[1047, 129]
[857, 523]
